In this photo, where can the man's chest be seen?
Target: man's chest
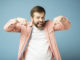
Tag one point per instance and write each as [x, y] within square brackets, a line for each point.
[38, 41]
[38, 46]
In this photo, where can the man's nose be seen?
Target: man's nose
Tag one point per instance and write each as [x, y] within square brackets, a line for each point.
[41, 19]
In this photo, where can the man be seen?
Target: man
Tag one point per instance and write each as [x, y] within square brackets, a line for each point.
[37, 41]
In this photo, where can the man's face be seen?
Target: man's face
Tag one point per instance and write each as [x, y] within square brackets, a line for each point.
[38, 19]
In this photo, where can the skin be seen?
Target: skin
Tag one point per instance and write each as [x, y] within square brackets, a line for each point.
[38, 19]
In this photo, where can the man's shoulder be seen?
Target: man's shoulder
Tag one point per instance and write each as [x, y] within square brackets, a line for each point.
[49, 22]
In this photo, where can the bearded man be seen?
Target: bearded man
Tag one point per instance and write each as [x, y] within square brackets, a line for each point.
[37, 40]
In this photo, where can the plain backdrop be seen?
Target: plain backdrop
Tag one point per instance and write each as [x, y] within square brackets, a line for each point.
[68, 41]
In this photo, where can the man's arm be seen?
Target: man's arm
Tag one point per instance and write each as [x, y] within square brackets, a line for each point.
[56, 51]
[14, 25]
[61, 23]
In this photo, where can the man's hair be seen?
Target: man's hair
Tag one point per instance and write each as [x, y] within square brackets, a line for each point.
[37, 9]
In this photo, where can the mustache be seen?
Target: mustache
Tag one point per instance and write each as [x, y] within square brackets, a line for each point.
[40, 22]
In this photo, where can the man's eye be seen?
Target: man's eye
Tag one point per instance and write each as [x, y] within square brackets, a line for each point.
[37, 17]
[42, 17]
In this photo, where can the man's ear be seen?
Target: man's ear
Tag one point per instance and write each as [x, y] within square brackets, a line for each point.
[31, 19]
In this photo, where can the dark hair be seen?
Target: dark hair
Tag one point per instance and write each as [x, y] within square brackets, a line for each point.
[37, 9]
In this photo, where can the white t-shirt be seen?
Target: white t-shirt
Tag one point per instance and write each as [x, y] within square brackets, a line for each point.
[38, 47]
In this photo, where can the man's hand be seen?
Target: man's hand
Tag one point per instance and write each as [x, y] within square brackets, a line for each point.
[14, 25]
[65, 22]
[61, 23]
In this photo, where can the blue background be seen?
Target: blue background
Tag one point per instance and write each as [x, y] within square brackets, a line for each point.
[68, 41]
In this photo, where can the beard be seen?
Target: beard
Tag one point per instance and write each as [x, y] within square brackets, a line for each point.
[39, 25]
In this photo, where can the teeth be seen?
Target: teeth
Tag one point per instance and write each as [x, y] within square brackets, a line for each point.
[40, 23]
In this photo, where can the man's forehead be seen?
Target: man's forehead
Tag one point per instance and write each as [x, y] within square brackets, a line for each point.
[39, 14]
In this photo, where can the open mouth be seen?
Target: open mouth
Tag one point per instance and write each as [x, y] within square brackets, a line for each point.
[40, 23]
